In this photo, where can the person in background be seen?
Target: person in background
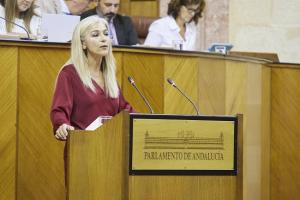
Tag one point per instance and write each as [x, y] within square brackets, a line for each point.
[86, 87]
[21, 12]
[121, 29]
[178, 29]
[70, 7]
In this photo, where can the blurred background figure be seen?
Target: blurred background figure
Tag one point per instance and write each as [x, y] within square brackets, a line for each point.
[70, 7]
[21, 12]
[121, 29]
[178, 29]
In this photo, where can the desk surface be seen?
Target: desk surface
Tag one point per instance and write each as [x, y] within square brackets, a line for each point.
[141, 49]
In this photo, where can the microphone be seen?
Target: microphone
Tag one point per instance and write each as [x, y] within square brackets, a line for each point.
[27, 33]
[131, 81]
[171, 82]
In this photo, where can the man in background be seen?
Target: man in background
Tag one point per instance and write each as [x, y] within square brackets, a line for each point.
[121, 29]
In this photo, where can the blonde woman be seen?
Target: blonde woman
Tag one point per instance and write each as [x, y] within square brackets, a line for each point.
[21, 12]
[87, 87]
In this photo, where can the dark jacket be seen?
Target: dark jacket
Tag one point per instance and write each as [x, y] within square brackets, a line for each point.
[125, 30]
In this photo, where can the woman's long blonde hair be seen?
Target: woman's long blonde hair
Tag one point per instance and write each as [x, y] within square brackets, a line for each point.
[80, 61]
[11, 8]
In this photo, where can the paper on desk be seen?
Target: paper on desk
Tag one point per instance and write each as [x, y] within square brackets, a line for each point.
[95, 124]
[59, 27]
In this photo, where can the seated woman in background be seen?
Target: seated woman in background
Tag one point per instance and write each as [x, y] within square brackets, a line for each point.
[22, 13]
[178, 29]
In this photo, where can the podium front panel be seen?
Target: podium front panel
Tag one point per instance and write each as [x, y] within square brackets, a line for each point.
[182, 145]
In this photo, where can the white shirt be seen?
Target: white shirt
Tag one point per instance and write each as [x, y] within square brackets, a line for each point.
[64, 7]
[34, 24]
[164, 32]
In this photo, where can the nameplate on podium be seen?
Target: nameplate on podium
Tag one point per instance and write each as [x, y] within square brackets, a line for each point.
[187, 145]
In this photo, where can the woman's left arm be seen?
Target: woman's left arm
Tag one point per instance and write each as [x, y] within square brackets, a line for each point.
[124, 105]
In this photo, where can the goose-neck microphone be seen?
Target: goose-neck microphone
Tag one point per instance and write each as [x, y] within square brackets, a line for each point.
[27, 33]
[171, 82]
[131, 81]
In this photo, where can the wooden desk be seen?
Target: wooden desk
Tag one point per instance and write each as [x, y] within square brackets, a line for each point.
[218, 84]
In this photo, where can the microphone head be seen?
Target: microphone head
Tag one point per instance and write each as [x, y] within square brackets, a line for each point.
[171, 82]
[131, 81]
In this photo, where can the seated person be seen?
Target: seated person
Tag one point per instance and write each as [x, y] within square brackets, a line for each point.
[19, 12]
[121, 29]
[178, 27]
[73, 7]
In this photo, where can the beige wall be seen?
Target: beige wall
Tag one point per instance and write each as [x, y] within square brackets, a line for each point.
[266, 26]
[257, 25]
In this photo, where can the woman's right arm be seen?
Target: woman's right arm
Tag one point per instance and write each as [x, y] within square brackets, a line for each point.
[62, 106]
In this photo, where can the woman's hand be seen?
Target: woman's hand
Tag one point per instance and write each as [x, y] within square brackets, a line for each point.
[62, 132]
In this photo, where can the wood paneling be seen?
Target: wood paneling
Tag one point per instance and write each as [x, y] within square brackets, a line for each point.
[211, 86]
[285, 137]
[100, 158]
[227, 87]
[8, 117]
[182, 187]
[139, 7]
[144, 8]
[184, 71]
[223, 85]
[40, 155]
[146, 70]
[265, 133]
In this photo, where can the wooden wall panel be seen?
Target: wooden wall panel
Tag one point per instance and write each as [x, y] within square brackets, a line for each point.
[231, 87]
[144, 8]
[266, 133]
[40, 155]
[184, 71]
[139, 8]
[211, 86]
[148, 77]
[182, 187]
[8, 117]
[225, 87]
[285, 138]
[245, 95]
[119, 63]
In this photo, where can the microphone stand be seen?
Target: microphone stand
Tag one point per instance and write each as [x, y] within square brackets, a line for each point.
[27, 33]
[171, 82]
[131, 81]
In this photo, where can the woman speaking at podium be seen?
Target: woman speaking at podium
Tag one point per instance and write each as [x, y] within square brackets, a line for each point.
[86, 86]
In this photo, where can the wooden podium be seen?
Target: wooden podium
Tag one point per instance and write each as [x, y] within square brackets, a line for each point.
[98, 161]
[104, 164]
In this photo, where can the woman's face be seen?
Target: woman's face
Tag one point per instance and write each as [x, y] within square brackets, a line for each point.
[24, 5]
[187, 13]
[97, 41]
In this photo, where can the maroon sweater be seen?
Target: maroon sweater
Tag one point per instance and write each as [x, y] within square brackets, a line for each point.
[79, 106]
